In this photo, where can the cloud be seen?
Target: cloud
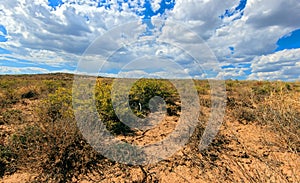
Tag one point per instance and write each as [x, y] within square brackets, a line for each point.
[254, 33]
[268, 13]
[257, 32]
[16, 70]
[155, 4]
[201, 16]
[35, 28]
[151, 57]
[235, 31]
[51, 58]
[232, 73]
[282, 65]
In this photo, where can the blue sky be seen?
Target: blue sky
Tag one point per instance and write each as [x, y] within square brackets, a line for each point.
[250, 39]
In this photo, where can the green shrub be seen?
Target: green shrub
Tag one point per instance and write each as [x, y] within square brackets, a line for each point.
[263, 88]
[231, 84]
[145, 89]
[51, 86]
[106, 110]
[58, 105]
[202, 90]
[139, 97]
[30, 94]
[11, 97]
[266, 88]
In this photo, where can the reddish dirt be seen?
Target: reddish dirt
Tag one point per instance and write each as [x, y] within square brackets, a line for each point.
[242, 152]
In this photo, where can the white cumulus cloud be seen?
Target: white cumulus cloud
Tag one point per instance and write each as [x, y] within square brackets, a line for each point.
[282, 65]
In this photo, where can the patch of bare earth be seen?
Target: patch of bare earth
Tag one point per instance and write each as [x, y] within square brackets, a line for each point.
[18, 177]
[242, 152]
[258, 155]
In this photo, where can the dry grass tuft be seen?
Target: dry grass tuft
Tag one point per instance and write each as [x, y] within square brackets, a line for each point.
[258, 142]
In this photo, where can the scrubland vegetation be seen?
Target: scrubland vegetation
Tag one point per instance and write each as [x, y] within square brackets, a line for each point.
[259, 140]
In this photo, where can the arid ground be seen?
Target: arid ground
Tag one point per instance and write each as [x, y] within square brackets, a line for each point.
[259, 140]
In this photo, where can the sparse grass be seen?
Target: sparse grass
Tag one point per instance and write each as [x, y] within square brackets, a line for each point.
[7, 159]
[53, 148]
[282, 117]
[11, 116]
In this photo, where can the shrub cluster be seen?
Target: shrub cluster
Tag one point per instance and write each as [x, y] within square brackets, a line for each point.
[139, 97]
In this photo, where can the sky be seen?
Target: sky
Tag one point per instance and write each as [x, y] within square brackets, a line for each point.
[230, 39]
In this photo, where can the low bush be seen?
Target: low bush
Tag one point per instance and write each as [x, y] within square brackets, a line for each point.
[140, 96]
[58, 105]
[282, 117]
[145, 89]
[54, 147]
[11, 116]
[7, 160]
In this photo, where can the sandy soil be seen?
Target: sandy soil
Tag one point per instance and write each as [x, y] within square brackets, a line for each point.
[242, 152]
